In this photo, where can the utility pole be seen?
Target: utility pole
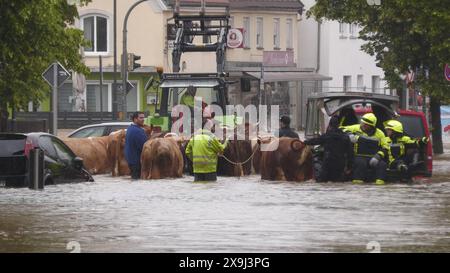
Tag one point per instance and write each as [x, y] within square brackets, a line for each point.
[114, 89]
[124, 65]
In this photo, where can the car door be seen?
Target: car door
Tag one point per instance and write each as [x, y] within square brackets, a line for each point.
[53, 166]
[67, 157]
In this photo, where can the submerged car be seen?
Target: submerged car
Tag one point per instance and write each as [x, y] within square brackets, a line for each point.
[350, 106]
[61, 165]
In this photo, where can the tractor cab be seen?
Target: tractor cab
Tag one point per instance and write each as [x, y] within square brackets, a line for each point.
[193, 33]
[189, 90]
[350, 107]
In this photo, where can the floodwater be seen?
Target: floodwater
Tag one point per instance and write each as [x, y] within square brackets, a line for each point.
[232, 215]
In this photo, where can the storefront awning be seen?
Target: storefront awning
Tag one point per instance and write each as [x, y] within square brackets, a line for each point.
[289, 76]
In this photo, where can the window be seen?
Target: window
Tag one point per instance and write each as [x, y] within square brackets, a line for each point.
[342, 29]
[95, 29]
[45, 143]
[360, 83]
[93, 98]
[231, 22]
[63, 152]
[260, 32]
[90, 132]
[276, 33]
[347, 83]
[352, 30]
[413, 126]
[246, 32]
[290, 34]
[375, 84]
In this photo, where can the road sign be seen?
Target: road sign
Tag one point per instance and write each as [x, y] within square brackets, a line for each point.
[447, 72]
[61, 72]
[55, 76]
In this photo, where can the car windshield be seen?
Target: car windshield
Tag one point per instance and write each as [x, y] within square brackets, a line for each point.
[89, 132]
[177, 96]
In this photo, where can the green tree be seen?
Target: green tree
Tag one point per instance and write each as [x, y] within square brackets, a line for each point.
[35, 33]
[402, 35]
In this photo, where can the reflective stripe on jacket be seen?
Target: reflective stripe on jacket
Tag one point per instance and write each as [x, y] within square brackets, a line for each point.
[379, 135]
[397, 147]
[203, 150]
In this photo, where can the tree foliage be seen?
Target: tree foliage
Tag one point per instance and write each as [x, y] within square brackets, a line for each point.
[403, 35]
[34, 34]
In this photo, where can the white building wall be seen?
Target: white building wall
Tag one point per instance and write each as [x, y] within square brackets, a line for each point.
[339, 55]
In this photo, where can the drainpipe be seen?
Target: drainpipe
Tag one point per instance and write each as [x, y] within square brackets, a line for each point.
[318, 45]
[319, 24]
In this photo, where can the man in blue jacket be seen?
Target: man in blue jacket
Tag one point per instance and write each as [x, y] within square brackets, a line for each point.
[134, 142]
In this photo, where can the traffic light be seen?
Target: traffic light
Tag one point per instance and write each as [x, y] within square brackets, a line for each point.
[132, 64]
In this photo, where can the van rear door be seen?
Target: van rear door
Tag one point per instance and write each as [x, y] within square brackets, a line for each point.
[413, 126]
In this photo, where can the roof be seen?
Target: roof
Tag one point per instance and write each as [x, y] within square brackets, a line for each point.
[254, 5]
[289, 76]
[197, 3]
[273, 5]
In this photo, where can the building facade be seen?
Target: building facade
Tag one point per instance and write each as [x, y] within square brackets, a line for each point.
[266, 68]
[145, 38]
[334, 49]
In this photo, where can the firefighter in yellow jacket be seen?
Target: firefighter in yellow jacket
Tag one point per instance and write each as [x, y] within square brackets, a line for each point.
[370, 150]
[399, 143]
[203, 150]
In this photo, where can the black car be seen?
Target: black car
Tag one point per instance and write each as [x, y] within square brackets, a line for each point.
[61, 164]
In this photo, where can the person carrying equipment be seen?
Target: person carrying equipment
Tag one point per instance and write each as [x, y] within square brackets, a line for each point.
[188, 97]
[370, 150]
[337, 152]
[399, 144]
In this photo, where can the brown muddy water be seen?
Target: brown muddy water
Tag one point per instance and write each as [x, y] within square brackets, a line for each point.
[232, 215]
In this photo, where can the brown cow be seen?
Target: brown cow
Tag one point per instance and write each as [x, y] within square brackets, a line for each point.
[239, 152]
[257, 153]
[236, 159]
[162, 158]
[116, 153]
[93, 151]
[292, 161]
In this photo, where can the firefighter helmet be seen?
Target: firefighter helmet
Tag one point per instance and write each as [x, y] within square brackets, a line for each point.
[395, 126]
[369, 119]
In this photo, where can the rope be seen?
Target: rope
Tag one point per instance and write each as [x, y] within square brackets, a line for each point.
[240, 163]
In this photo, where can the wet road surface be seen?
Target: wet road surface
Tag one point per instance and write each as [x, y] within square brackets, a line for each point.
[232, 215]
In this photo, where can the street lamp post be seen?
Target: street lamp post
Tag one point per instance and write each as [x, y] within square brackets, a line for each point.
[114, 91]
[125, 57]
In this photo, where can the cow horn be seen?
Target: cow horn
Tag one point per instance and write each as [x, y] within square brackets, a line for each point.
[297, 145]
[171, 135]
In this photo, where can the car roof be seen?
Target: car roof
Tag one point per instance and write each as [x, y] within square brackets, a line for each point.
[401, 112]
[119, 123]
[354, 95]
[107, 124]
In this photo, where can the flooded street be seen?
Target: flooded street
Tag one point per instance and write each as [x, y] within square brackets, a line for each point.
[232, 215]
